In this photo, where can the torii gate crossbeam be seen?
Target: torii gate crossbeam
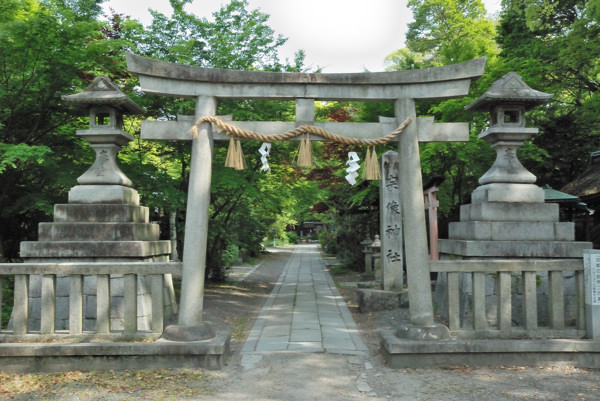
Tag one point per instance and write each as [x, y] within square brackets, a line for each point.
[401, 87]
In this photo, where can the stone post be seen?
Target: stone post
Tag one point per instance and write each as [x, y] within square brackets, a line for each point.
[417, 257]
[391, 223]
[431, 204]
[376, 258]
[591, 265]
[196, 222]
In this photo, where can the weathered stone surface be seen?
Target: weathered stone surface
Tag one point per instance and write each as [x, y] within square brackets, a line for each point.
[541, 290]
[512, 231]
[370, 300]
[505, 192]
[434, 332]
[196, 222]
[417, 255]
[100, 212]
[402, 353]
[391, 223]
[105, 170]
[208, 354]
[513, 211]
[104, 194]
[98, 232]
[188, 333]
[525, 249]
[165, 78]
[84, 249]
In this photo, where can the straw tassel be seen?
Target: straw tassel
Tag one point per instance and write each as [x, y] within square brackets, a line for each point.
[239, 161]
[305, 152]
[371, 170]
[231, 154]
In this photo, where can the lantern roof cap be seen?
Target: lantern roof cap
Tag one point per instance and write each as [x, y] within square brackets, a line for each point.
[103, 92]
[510, 89]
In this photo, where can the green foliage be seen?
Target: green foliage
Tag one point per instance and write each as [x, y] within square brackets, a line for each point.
[446, 32]
[292, 237]
[328, 242]
[351, 229]
[7, 292]
[47, 48]
[11, 156]
[230, 255]
[554, 46]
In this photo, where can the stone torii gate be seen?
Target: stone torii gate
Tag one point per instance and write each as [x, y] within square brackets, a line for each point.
[403, 88]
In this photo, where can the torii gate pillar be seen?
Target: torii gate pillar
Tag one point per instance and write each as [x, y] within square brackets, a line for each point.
[196, 221]
[415, 240]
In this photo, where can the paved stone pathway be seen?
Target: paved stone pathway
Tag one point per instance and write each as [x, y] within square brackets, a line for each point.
[304, 313]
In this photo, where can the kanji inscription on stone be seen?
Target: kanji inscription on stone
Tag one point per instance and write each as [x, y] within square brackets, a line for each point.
[591, 264]
[391, 223]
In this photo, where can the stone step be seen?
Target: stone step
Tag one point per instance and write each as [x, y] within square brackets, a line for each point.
[509, 231]
[509, 211]
[517, 249]
[98, 232]
[99, 212]
[93, 249]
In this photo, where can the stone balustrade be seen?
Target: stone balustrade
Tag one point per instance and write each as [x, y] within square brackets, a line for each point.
[517, 283]
[130, 271]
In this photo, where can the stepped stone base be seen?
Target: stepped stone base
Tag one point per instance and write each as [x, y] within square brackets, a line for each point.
[99, 232]
[48, 357]
[504, 192]
[513, 231]
[94, 249]
[514, 249]
[401, 353]
[509, 211]
[117, 194]
[100, 212]
[508, 221]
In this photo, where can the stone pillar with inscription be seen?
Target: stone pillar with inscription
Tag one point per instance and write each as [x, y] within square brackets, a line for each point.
[391, 224]
[591, 265]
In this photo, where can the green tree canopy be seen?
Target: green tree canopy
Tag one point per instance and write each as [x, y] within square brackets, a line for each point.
[555, 47]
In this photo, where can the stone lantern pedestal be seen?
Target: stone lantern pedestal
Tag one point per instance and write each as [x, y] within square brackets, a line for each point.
[102, 221]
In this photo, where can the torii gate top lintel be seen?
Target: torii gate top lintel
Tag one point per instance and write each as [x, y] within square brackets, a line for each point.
[171, 79]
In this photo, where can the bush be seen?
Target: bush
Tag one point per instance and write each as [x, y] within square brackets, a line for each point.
[292, 237]
[351, 229]
[328, 243]
[230, 255]
[7, 300]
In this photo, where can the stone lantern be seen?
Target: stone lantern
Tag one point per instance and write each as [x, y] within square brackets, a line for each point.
[104, 182]
[102, 222]
[376, 249]
[507, 101]
[508, 218]
[368, 251]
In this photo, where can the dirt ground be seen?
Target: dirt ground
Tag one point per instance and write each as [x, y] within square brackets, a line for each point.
[304, 376]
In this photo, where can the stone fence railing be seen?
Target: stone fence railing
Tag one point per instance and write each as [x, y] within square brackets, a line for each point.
[480, 296]
[22, 272]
